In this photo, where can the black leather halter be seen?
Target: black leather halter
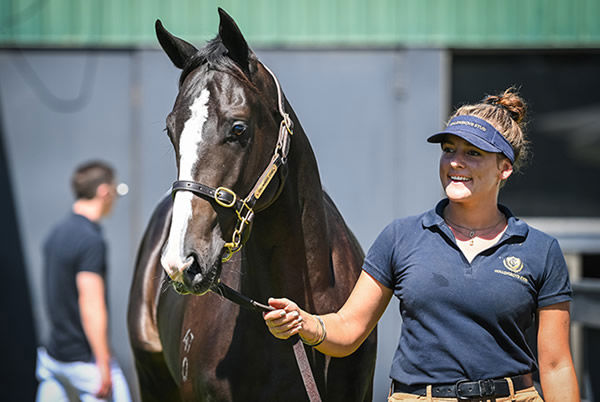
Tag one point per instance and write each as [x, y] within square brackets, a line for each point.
[227, 198]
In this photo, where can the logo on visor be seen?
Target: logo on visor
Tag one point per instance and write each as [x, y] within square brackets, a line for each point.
[513, 264]
[467, 123]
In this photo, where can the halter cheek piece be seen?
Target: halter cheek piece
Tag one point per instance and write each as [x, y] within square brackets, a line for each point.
[227, 198]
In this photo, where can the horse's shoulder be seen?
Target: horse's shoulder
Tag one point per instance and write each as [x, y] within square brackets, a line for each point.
[148, 279]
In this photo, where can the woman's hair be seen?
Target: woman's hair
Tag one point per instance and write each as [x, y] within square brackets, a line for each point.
[506, 113]
[88, 176]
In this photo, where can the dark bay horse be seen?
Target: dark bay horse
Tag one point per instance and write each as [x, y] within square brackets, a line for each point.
[190, 343]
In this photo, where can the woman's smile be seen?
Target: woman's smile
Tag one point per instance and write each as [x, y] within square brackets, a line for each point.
[459, 178]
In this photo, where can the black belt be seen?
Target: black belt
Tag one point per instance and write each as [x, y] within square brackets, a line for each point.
[465, 389]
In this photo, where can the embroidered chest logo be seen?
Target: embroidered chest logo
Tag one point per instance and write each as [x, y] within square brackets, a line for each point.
[514, 265]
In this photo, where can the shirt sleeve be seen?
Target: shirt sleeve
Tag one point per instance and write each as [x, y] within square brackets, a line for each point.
[555, 287]
[378, 262]
[92, 256]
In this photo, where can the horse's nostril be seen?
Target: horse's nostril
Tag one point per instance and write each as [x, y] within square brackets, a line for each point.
[193, 267]
[192, 275]
[192, 270]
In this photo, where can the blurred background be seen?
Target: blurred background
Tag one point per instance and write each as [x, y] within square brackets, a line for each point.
[369, 80]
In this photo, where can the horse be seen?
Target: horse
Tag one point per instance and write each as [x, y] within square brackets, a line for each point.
[230, 120]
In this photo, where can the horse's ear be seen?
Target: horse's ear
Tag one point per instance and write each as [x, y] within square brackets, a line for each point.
[234, 42]
[178, 50]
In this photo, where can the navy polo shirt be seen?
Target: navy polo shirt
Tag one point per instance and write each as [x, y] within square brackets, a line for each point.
[464, 320]
[74, 245]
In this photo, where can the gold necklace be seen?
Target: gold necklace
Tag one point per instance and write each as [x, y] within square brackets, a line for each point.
[470, 232]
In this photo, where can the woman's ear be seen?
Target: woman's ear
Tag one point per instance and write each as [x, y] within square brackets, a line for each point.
[506, 169]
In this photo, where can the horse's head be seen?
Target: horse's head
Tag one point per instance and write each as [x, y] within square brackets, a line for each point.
[224, 128]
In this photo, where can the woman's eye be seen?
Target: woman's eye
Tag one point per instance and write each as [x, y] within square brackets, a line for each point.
[238, 129]
[447, 150]
[474, 153]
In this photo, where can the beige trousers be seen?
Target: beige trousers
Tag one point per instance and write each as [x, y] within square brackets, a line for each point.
[524, 395]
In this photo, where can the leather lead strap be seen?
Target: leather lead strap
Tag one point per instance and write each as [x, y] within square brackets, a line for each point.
[307, 376]
[299, 352]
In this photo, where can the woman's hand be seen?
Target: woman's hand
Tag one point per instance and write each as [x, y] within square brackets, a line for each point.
[285, 320]
[288, 319]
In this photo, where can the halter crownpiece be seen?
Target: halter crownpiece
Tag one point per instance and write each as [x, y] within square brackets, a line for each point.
[227, 198]
[479, 133]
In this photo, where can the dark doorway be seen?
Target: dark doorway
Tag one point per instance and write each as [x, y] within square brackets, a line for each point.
[563, 93]
[17, 334]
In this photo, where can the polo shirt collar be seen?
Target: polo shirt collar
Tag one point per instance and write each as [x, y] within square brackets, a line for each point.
[435, 217]
[91, 223]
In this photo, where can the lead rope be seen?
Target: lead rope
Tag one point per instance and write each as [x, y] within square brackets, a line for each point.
[310, 385]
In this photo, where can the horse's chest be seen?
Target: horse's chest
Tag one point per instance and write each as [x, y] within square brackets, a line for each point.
[226, 356]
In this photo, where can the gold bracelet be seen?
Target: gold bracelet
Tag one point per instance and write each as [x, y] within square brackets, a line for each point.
[323, 333]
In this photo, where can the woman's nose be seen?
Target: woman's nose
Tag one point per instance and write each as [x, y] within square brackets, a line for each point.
[456, 161]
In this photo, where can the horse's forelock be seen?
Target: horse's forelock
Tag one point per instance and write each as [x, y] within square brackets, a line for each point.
[215, 55]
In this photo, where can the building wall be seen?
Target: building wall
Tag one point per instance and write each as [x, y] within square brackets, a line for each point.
[423, 23]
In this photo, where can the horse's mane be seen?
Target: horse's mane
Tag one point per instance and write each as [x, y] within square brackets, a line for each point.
[214, 54]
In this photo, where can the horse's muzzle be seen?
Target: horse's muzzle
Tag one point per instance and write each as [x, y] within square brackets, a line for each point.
[196, 280]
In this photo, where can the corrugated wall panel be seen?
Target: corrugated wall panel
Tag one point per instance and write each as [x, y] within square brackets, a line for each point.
[423, 23]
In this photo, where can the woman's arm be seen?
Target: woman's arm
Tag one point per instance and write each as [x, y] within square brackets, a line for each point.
[557, 373]
[346, 330]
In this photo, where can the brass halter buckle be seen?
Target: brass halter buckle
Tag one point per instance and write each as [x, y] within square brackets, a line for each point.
[221, 190]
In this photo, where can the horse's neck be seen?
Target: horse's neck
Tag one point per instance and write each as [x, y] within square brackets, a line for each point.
[289, 239]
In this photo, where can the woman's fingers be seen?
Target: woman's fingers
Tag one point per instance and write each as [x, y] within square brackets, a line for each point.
[284, 304]
[286, 334]
[282, 323]
[282, 309]
[283, 320]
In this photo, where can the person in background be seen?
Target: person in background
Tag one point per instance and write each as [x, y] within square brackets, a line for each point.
[77, 359]
[470, 278]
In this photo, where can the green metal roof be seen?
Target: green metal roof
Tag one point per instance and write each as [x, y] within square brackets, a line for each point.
[321, 23]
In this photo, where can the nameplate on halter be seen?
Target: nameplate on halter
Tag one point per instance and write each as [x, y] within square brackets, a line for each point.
[263, 185]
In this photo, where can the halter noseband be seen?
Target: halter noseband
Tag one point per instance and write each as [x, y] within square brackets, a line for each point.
[227, 198]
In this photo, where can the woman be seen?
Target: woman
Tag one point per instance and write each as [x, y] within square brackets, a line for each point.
[470, 278]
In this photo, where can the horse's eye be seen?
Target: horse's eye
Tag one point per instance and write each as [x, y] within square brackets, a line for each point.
[238, 129]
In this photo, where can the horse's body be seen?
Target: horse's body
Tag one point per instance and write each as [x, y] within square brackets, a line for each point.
[190, 347]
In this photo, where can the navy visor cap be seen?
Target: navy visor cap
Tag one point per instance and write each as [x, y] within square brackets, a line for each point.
[478, 132]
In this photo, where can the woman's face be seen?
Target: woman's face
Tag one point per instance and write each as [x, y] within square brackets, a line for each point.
[469, 174]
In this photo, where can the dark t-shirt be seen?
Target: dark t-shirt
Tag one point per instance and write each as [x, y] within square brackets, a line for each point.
[74, 245]
[465, 320]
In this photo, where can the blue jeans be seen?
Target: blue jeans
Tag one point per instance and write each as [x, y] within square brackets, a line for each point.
[65, 381]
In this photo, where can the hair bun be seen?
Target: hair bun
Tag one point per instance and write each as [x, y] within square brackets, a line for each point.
[511, 102]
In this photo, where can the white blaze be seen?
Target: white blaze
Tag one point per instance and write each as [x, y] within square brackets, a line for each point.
[173, 259]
